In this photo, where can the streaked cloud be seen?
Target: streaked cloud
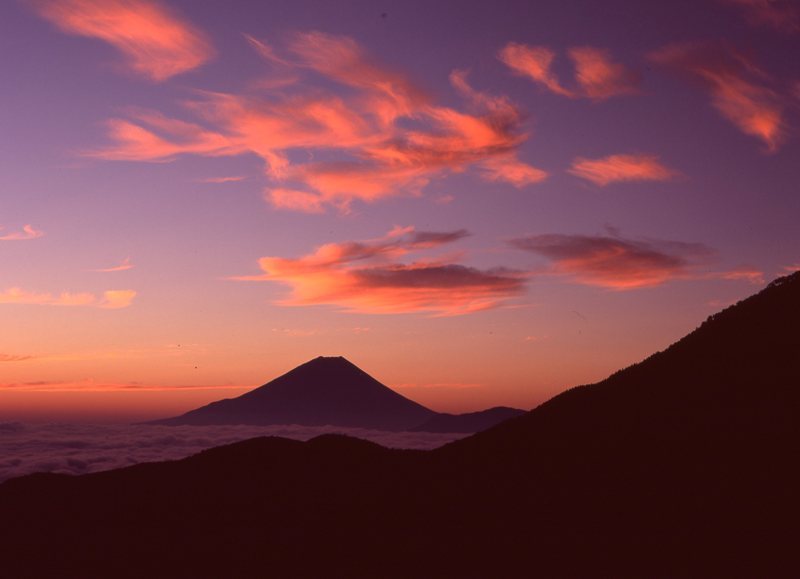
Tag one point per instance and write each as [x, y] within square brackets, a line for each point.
[14, 358]
[749, 274]
[511, 170]
[220, 180]
[438, 386]
[155, 41]
[369, 277]
[597, 76]
[535, 63]
[778, 14]
[736, 85]
[621, 168]
[380, 136]
[111, 299]
[150, 136]
[295, 200]
[28, 232]
[124, 265]
[264, 50]
[614, 262]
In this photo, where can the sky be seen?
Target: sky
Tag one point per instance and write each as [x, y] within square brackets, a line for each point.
[478, 203]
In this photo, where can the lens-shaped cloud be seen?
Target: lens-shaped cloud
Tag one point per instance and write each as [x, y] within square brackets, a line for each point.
[615, 262]
[369, 277]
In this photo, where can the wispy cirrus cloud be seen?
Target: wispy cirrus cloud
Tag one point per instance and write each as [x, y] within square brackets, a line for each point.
[778, 14]
[597, 76]
[370, 277]
[621, 168]
[154, 40]
[124, 265]
[736, 85]
[221, 180]
[14, 358]
[534, 62]
[378, 133]
[615, 262]
[110, 299]
[28, 232]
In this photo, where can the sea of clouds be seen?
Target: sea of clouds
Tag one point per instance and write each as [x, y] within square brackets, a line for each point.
[83, 448]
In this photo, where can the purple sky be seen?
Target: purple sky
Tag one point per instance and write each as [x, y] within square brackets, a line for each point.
[479, 203]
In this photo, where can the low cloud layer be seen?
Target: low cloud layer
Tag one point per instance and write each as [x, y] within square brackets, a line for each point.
[369, 277]
[79, 449]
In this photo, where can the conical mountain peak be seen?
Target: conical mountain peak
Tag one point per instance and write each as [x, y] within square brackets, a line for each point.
[327, 390]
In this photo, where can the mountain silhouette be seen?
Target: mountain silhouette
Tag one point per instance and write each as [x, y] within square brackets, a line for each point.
[683, 465]
[323, 391]
[470, 421]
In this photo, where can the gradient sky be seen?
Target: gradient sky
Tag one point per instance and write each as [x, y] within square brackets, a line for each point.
[479, 203]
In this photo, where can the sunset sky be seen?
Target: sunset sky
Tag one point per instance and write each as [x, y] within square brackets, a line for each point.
[478, 203]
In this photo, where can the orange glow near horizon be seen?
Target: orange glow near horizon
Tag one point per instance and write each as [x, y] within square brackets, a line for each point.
[197, 197]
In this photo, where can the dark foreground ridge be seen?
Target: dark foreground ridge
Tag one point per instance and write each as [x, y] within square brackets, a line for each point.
[684, 465]
[332, 391]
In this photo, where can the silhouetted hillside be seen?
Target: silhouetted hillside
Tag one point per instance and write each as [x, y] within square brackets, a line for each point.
[469, 422]
[684, 465]
[323, 391]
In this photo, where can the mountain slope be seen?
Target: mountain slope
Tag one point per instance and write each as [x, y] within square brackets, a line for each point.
[681, 466]
[323, 391]
[469, 422]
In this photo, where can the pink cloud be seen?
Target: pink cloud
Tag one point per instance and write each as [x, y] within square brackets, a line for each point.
[778, 14]
[156, 43]
[28, 232]
[736, 88]
[295, 200]
[154, 137]
[614, 262]
[599, 77]
[111, 299]
[122, 266]
[534, 62]
[265, 50]
[386, 136]
[749, 274]
[220, 180]
[370, 277]
[511, 170]
[621, 168]
[343, 60]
